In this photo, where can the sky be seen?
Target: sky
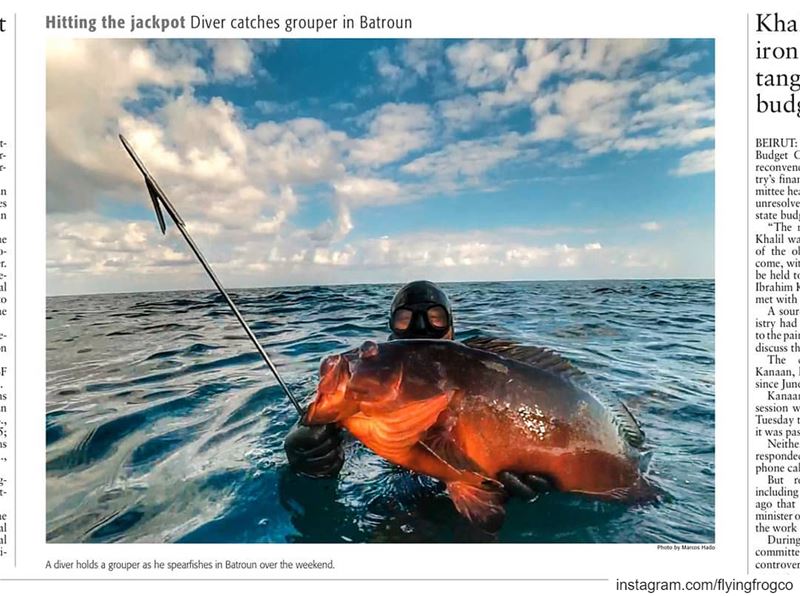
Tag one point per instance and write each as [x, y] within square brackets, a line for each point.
[300, 162]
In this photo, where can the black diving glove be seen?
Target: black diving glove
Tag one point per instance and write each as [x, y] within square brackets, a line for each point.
[524, 486]
[315, 451]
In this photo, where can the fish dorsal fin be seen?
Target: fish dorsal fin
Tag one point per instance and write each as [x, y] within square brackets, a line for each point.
[542, 358]
[628, 426]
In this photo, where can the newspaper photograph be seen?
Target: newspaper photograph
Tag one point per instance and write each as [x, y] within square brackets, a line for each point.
[421, 407]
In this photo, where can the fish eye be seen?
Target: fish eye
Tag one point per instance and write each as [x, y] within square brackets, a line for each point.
[369, 349]
[437, 317]
[401, 319]
[328, 364]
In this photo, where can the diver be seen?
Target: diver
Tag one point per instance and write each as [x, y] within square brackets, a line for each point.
[419, 310]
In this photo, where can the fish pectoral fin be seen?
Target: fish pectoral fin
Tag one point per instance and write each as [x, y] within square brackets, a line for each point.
[388, 432]
[482, 504]
[441, 443]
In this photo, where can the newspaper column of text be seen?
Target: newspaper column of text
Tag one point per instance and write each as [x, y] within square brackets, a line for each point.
[7, 187]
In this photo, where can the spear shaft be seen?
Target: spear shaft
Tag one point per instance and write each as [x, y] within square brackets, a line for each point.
[160, 199]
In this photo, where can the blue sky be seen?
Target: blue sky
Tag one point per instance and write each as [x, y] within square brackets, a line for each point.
[349, 161]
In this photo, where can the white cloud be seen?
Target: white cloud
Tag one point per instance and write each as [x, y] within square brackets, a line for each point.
[99, 253]
[201, 149]
[683, 61]
[627, 115]
[327, 256]
[88, 82]
[591, 110]
[498, 254]
[697, 162]
[234, 182]
[598, 101]
[331, 230]
[231, 58]
[394, 76]
[543, 59]
[679, 88]
[609, 57]
[239, 183]
[669, 136]
[688, 113]
[551, 126]
[466, 159]
[394, 131]
[366, 191]
[423, 56]
[520, 86]
[302, 150]
[526, 255]
[413, 61]
[95, 245]
[464, 112]
[479, 63]
[651, 226]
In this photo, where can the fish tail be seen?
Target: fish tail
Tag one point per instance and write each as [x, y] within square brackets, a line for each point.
[482, 504]
[644, 461]
[641, 492]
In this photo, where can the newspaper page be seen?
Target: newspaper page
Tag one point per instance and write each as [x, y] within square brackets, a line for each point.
[338, 296]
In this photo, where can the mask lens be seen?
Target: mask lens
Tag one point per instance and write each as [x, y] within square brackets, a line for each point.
[401, 319]
[437, 317]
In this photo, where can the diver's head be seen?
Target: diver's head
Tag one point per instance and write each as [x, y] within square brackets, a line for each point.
[421, 310]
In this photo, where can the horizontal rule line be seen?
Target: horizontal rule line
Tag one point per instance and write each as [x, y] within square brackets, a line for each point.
[310, 579]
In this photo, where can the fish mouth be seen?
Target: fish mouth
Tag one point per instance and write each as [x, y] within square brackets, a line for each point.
[329, 405]
[327, 410]
[311, 416]
[317, 414]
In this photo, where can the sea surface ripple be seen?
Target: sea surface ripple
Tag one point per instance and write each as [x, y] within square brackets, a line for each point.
[163, 424]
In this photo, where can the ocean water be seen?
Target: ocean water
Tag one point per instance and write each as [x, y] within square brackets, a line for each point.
[163, 424]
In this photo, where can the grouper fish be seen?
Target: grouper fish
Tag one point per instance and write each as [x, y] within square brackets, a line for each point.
[464, 415]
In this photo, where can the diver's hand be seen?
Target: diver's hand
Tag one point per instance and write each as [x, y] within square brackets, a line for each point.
[315, 451]
[524, 486]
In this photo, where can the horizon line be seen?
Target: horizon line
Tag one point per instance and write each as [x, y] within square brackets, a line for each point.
[384, 283]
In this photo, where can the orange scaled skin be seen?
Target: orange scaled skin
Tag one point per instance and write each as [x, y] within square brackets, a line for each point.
[382, 419]
[492, 440]
[463, 416]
